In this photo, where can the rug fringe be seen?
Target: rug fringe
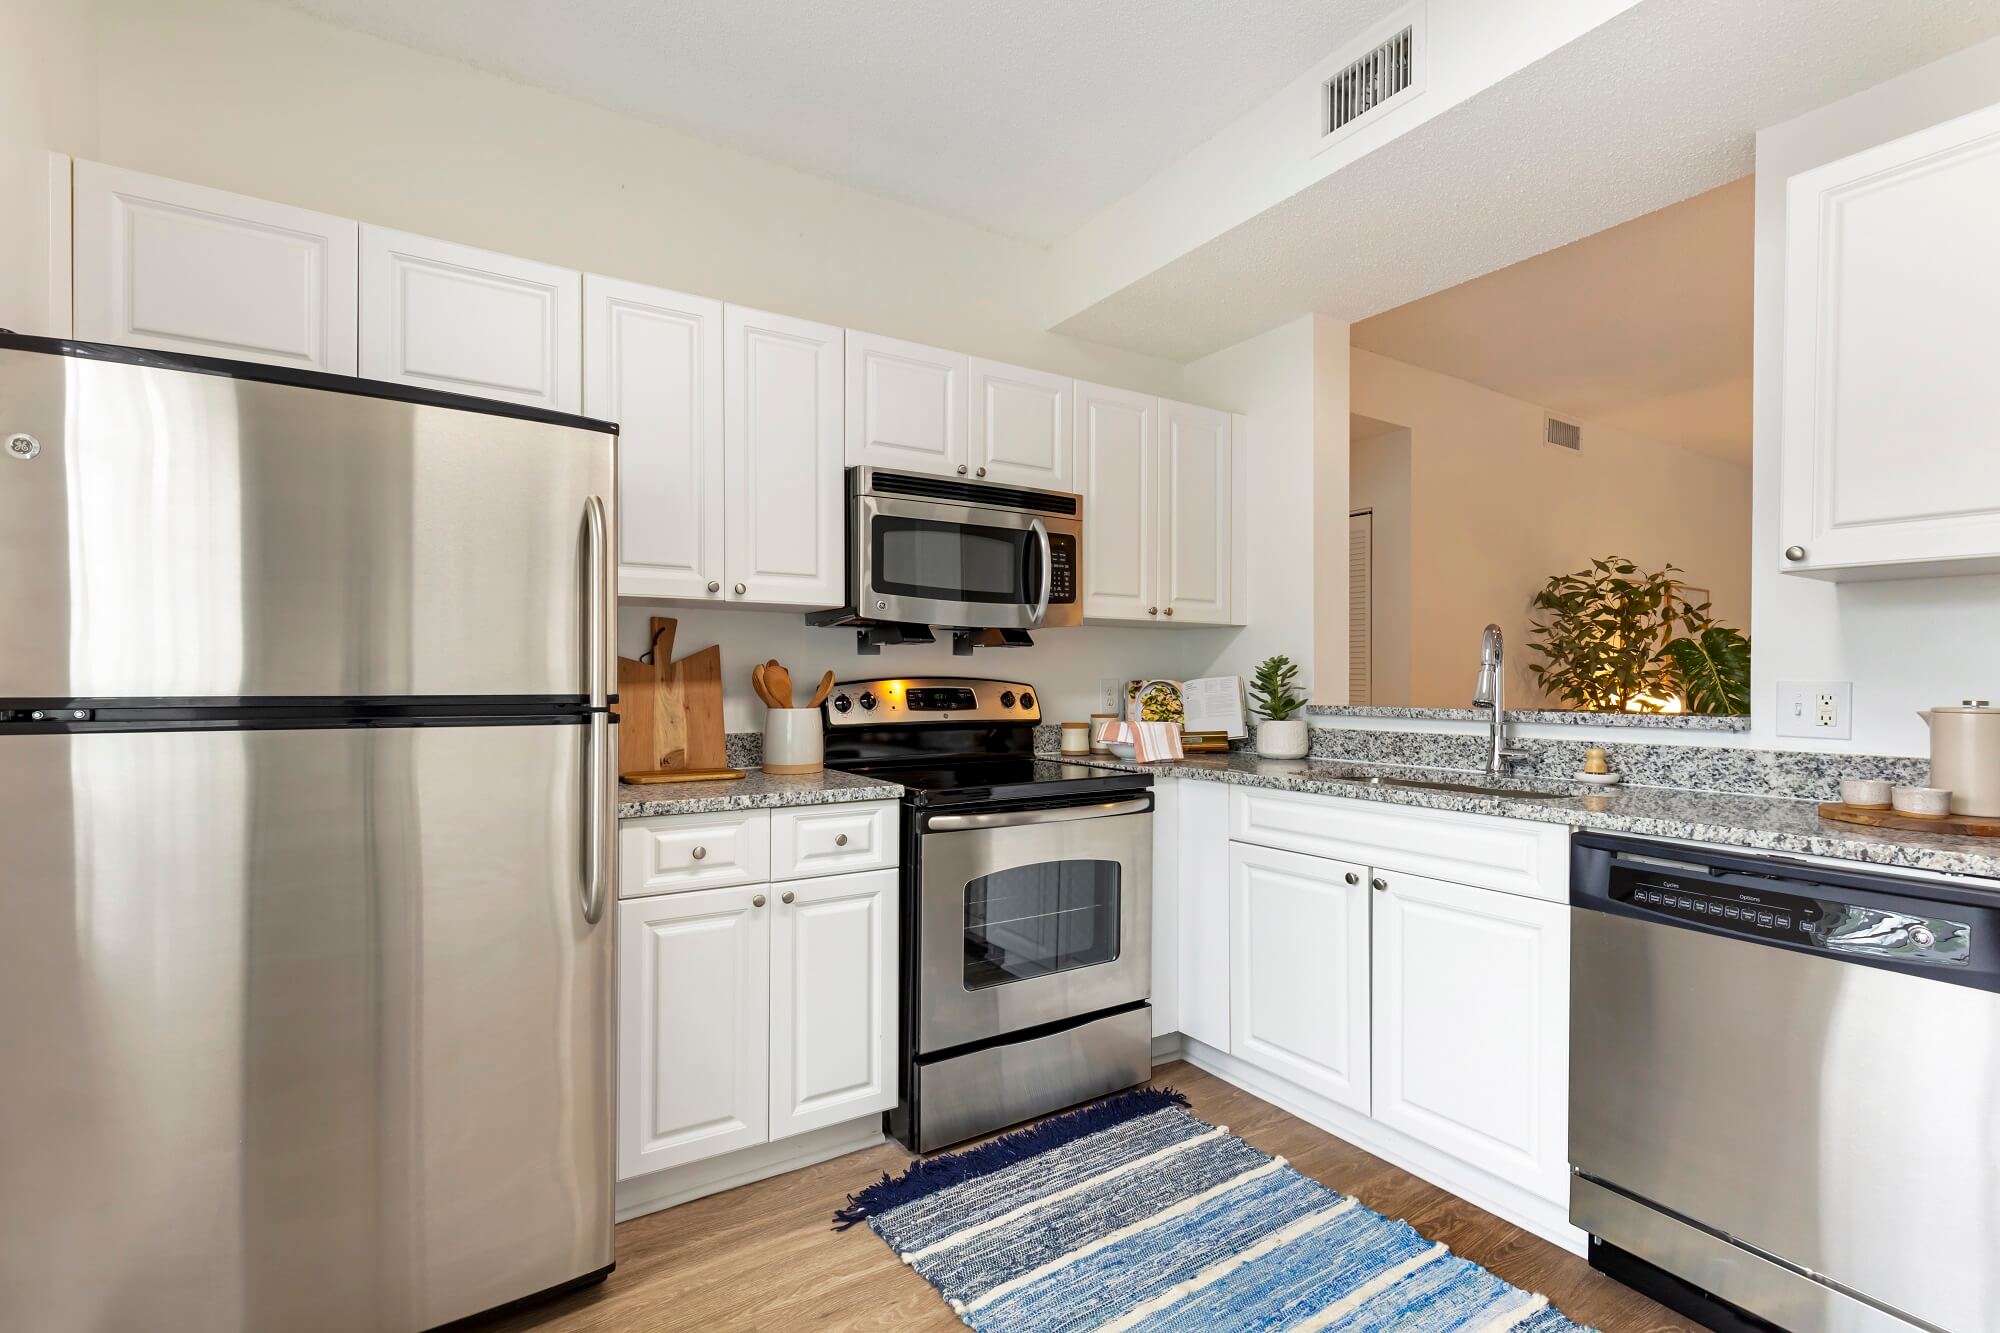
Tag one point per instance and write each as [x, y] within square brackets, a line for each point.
[927, 1175]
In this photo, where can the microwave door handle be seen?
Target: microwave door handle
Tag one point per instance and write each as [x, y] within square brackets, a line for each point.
[1041, 531]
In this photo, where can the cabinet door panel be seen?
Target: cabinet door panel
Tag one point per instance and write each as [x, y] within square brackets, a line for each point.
[1472, 1026]
[1891, 454]
[459, 320]
[783, 474]
[161, 263]
[1020, 427]
[1195, 513]
[833, 1000]
[652, 362]
[1117, 455]
[905, 405]
[1298, 968]
[1202, 883]
[35, 234]
[693, 1027]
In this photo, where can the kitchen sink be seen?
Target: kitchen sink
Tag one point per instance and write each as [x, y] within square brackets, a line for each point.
[1368, 778]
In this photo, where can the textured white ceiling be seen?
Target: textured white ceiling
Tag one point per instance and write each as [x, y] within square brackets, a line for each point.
[1658, 104]
[1024, 116]
[1645, 326]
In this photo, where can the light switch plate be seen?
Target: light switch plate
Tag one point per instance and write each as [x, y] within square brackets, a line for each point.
[1816, 709]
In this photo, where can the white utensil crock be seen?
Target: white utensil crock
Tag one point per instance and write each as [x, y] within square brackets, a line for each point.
[793, 741]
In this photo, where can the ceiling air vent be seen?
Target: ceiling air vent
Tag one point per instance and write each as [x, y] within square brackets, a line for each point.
[1562, 434]
[1367, 83]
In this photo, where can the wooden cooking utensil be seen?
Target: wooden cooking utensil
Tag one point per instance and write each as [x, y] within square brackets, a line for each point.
[824, 688]
[780, 681]
[762, 686]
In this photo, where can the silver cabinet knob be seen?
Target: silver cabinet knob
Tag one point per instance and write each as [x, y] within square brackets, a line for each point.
[1379, 884]
[1352, 878]
[961, 469]
[1169, 611]
[699, 853]
[1795, 553]
[980, 473]
[758, 901]
[840, 839]
[789, 896]
[740, 590]
[714, 586]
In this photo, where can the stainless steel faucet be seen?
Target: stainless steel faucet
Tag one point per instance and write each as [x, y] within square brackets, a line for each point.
[1491, 692]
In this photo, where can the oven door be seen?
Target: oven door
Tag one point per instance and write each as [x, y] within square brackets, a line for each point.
[930, 562]
[1032, 916]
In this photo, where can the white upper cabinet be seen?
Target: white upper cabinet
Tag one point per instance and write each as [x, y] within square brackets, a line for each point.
[1117, 472]
[693, 1026]
[183, 268]
[1891, 437]
[906, 406]
[1298, 969]
[448, 317]
[1020, 427]
[783, 474]
[652, 362]
[1195, 536]
[833, 1000]
[1471, 992]
[35, 242]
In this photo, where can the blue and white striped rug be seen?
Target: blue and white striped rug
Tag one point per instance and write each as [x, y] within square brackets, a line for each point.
[1131, 1214]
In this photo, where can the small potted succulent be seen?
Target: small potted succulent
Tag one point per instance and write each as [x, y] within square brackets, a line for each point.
[1273, 695]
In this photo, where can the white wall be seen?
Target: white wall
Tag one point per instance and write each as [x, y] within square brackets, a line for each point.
[1907, 644]
[48, 82]
[1379, 476]
[1496, 512]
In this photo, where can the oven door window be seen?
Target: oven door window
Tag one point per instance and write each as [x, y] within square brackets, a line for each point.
[954, 562]
[1037, 920]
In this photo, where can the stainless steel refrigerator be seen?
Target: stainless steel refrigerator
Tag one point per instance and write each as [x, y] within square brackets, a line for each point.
[306, 836]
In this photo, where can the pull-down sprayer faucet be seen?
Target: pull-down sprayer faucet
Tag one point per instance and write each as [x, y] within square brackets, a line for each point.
[1490, 692]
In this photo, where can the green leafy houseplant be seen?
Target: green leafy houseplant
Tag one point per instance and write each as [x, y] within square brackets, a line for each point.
[1272, 692]
[1616, 637]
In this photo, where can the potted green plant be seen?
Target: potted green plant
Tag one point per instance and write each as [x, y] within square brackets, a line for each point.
[1274, 696]
[1618, 638]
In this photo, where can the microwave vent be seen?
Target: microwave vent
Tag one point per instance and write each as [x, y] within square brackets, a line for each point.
[971, 492]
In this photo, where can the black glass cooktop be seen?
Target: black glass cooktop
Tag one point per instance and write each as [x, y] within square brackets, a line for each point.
[938, 781]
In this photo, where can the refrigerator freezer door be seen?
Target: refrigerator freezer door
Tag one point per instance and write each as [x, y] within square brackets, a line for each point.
[180, 535]
[299, 1029]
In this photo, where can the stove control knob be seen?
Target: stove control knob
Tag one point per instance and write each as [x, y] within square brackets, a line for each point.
[867, 701]
[1006, 698]
[1027, 700]
[841, 703]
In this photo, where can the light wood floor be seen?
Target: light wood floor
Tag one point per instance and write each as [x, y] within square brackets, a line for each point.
[764, 1257]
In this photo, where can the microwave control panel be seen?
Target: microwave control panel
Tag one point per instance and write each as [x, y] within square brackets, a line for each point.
[1062, 549]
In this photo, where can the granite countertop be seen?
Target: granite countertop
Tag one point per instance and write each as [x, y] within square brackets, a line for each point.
[755, 790]
[1764, 823]
[1541, 717]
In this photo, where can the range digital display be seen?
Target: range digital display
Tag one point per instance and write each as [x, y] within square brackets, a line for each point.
[941, 699]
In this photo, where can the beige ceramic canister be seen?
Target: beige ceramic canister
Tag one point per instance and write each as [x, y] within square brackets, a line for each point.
[1965, 755]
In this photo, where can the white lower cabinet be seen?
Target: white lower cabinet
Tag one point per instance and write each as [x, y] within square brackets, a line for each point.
[693, 1009]
[750, 1013]
[1472, 1026]
[1298, 969]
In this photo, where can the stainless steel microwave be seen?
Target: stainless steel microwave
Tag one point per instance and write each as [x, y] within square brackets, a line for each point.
[929, 550]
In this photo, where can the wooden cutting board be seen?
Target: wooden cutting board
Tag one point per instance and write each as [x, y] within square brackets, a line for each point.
[670, 713]
[1978, 826]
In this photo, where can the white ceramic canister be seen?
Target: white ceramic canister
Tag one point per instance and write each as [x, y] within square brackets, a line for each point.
[1965, 755]
[793, 741]
[1283, 740]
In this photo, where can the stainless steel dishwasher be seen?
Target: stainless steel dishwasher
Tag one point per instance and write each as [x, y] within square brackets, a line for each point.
[1785, 1088]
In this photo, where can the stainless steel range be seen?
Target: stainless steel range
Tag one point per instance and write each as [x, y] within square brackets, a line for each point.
[1027, 905]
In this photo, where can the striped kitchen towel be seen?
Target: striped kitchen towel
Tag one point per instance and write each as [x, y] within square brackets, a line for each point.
[1150, 741]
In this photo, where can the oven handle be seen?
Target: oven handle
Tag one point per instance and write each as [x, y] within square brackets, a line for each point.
[1060, 815]
[1041, 530]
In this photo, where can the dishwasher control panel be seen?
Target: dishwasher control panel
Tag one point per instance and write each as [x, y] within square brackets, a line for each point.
[1821, 924]
[1779, 915]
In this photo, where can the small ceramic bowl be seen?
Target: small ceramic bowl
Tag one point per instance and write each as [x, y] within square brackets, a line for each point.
[1923, 802]
[1865, 793]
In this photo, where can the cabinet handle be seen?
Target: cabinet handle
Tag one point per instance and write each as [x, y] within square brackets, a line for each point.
[740, 590]
[1352, 878]
[1380, 884]
[840, 839]
[758, 901]
[1169, 611]
[980, 473]
[714, 586]
[700, 852]
[961, 469]
[789, 895]
[1795, 553]
[1152, 610]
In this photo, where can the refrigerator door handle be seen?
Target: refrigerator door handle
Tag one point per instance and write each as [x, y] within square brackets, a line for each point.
[598, 620]
[599, 825]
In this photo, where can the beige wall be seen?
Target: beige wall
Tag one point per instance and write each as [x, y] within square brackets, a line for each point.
[1379, 476]
[1496, 512]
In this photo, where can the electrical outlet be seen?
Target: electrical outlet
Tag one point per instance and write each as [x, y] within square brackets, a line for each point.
[1107, 693]
[1816, 709]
